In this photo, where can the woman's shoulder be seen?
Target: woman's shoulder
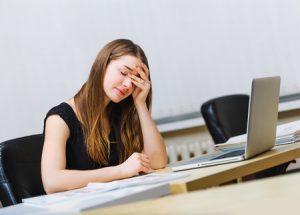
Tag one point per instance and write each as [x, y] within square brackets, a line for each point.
[65, 111]
[63, 108]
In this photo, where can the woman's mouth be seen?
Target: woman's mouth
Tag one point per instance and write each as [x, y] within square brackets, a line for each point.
[120, 92]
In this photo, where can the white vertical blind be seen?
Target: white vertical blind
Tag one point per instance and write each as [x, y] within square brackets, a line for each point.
[197, 49]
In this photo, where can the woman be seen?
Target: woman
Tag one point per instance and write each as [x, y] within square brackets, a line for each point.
[105, 132]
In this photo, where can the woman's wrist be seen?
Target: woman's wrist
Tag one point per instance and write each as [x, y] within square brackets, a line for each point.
[120, 172]
[141, 106]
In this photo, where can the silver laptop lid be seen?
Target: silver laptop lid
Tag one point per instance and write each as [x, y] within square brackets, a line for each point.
[262, 116]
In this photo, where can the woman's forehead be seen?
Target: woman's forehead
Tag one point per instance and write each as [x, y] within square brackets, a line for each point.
[128, 60]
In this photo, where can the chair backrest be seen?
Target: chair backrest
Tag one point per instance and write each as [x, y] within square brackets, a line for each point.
[20, 169]
[226, 116]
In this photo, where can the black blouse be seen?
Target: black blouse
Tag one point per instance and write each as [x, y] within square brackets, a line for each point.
[76, 154]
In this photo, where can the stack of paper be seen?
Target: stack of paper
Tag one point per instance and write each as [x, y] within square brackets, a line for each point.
[285, 134]
[97, 195]
[288, 132]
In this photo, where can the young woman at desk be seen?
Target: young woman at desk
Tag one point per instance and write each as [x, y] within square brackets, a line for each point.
[105, 132]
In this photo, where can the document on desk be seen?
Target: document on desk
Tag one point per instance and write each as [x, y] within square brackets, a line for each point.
[291, 129]
[147, 179]
[97, 195]
[285, 134]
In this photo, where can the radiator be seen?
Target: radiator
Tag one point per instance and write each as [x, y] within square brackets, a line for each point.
[185, 151]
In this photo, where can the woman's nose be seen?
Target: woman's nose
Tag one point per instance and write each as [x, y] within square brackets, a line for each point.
[127, 82]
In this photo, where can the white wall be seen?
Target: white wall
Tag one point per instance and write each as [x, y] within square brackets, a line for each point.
[197, 49]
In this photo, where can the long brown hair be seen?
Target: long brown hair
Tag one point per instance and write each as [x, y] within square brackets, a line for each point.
[122, 116]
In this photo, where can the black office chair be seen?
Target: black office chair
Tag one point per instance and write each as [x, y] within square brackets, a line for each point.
[20, 169]
[226, 117]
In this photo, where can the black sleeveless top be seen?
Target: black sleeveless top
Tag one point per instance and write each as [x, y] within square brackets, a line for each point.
[76, 154]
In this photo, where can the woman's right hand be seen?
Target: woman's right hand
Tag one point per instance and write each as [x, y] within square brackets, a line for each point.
[135, 164]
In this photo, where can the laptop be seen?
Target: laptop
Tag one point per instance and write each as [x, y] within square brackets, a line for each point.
[261, 128]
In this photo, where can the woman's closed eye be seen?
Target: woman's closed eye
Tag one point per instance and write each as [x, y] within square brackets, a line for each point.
[124, 73]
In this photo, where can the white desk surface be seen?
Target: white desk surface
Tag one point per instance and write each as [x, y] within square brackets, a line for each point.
[278, 195]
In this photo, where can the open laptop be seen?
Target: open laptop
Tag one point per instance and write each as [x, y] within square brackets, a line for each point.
[261, 127]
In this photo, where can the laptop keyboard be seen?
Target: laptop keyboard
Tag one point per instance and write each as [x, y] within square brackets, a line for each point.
[230, 154]
[213, 156]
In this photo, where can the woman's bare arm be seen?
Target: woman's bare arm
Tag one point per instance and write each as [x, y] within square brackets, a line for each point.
[57, 178]
[154, 145]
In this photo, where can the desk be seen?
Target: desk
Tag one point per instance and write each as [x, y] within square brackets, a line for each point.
[215, 175]
[276, 195]
[203, 178]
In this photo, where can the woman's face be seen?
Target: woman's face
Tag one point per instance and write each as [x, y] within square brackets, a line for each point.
[117, 84]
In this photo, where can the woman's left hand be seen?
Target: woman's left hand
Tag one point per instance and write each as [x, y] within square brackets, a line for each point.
[142, 84]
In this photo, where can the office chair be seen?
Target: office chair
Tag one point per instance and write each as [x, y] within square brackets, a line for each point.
[20, 169]
[226, 117]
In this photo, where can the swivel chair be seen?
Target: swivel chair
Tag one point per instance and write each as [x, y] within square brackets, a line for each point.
[20, 169]
[226, 117]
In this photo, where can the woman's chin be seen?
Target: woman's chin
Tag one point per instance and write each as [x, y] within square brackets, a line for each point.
[116, 99]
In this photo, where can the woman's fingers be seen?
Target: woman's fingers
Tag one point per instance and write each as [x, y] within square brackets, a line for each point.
[145, 170]
[143, 71]
[137, 79]
[145, 68]
[141, 84]
[144, 158]
[145, 161]
[142, 74]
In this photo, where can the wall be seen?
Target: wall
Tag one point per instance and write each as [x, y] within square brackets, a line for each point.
[197, 49]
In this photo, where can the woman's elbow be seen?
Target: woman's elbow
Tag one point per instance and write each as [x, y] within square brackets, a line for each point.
[50, 185]
[159, 164]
